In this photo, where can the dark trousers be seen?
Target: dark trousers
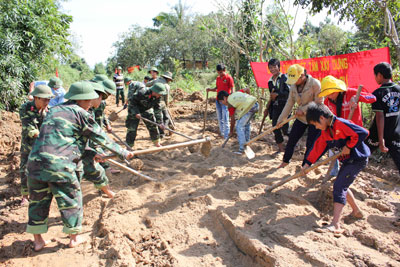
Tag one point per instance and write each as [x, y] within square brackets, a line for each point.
[275, 113]
[120, 92]
[297, 131]
[345, 178]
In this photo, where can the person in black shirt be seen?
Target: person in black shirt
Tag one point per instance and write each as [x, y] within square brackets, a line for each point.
[279, 92]
[385, 130]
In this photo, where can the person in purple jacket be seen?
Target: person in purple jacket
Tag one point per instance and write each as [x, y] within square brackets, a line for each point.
[339, 133]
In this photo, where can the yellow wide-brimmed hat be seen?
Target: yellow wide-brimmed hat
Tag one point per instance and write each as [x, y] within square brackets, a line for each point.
[294, 72]
[330, 85]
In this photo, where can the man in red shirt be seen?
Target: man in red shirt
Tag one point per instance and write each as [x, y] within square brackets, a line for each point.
[224, 83]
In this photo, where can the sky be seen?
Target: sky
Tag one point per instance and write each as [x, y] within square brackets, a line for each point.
[97, 24]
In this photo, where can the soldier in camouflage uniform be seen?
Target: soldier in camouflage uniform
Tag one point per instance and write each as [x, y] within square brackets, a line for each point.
[133, 86]
[164, 79]
[145, 102]
[31, 114]
[93, 171]
[54, 163]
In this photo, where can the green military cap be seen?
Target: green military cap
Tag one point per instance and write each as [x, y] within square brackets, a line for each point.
[99, 87]
[153, 69]
[109, 86]
[127, 79]
[42, 91]
[119, 67]
[159, 88]
[167, 75]
[81, 91]
[99, 78]
[55, 82]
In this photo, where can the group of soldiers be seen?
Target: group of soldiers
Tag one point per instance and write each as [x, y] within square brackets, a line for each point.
[65, 143]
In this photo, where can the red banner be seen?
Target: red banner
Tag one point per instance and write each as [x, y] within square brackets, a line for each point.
[354, 68]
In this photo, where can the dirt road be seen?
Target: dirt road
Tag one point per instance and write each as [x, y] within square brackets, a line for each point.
[207, 211]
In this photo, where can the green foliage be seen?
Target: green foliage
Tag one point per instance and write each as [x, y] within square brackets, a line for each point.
[32, 34]
[99, 68]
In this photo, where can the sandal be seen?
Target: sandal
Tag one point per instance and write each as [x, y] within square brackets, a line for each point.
[329, 229]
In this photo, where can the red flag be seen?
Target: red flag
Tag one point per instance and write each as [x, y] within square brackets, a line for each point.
[56, 72]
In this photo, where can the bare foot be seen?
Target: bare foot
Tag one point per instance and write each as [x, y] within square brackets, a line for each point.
[281, 147]
[39, 242]
[106, 189]
[357, 214]
[76, 240]
[283, 165]
[24, 200]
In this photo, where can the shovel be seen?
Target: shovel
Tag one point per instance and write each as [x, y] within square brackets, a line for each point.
[299, 174]
[205, 115]
[116, 163]
[114, 115]
[249, 152]
[173, 146]
[205, 148]
[226, 141]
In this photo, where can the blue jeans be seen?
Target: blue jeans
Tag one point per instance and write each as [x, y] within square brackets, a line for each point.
[223, 119]
[243, 128]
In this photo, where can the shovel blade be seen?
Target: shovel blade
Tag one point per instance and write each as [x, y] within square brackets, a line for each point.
[206, 149]
[113, 116]
[249, 152]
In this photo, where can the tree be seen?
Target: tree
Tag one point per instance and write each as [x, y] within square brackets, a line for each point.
[99, 68]
[366, 14]
[32, 35]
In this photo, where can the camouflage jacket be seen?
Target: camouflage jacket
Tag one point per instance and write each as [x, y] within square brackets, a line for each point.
[31, 121]
[100, 116]
[141, 101]
[162, 80]
[62, 140]
[134, 86]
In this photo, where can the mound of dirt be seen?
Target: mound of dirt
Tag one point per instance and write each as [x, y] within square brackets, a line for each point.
[196, 97]
[178, 94]
[10, 132]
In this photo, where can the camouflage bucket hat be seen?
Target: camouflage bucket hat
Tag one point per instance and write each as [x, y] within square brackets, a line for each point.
[153, 69]
[159, 88]
[42, 91]
[81, 91]
[109, 86]
[167, 75]
[119, 67]
[99, 78]
[127, 79]
[55, 82]
[99, 88]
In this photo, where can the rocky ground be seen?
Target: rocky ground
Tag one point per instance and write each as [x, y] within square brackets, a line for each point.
[206, 211]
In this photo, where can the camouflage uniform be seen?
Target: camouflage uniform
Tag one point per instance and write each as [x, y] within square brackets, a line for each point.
[164, 102]
[100, 116]
[133, 87]
[149, 108]
[54, 165]
[31, 121]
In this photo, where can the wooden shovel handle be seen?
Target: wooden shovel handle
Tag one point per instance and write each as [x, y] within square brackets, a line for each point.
[284, 181]
[270, 130]
[122, 166]
[357, 98]
[205, 114]
[175, 132]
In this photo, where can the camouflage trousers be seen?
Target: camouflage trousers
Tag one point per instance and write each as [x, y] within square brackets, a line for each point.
[22, 173]
[93, 171]
[69, 200]
[132, 124]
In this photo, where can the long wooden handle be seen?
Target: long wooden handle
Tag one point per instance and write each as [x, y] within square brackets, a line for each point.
[205, 114]
[357, 98]
[270, 130]
[173, 146]
[122, 141]
[284, 181]
[175, 132]
[122, 166]
[172, 120]
[262, 123]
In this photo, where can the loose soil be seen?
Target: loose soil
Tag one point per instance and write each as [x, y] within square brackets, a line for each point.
[206, 211]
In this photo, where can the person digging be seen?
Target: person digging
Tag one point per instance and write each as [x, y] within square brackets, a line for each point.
[54, 168]
[145, 102]
[343, 134]
[32, 114]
